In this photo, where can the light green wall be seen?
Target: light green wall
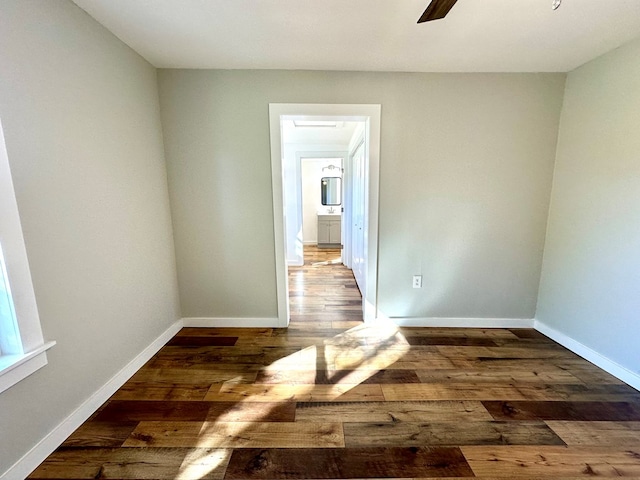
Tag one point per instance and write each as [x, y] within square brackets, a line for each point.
[590, 286]
[82, 126]
[466, 169]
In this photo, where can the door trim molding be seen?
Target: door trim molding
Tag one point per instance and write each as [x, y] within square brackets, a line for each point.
[370, 114]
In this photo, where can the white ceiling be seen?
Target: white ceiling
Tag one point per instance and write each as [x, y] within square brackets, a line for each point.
[369, 35]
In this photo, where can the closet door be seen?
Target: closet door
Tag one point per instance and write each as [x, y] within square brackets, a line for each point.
[358, 218]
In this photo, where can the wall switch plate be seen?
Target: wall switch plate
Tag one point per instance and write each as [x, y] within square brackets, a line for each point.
[417, 281]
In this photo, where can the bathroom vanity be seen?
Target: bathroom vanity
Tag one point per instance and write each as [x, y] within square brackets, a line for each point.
[330, 216]
[329, 230]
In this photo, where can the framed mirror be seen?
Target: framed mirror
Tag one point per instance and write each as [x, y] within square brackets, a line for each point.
[331, 190]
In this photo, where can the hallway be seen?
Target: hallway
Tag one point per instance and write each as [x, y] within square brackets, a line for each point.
[332, 398]
[323, 292]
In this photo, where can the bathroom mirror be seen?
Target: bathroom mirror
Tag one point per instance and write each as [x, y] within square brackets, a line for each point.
[331, 190]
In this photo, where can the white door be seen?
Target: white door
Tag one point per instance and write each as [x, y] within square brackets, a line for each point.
[358, 253]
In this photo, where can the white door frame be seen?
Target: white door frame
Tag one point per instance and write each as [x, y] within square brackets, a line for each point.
[370, 114]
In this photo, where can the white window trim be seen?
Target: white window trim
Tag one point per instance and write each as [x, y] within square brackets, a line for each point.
[30, 355]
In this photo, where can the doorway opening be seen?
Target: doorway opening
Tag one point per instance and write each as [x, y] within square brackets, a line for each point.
[322, 206]
[359, 194]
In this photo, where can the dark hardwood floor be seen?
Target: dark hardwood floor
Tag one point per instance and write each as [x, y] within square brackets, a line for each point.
[331, 398]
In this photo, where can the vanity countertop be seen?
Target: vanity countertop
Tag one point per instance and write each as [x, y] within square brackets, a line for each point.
[326, 213]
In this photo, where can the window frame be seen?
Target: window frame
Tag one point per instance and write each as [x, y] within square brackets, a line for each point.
[9, 332]
[28, 353]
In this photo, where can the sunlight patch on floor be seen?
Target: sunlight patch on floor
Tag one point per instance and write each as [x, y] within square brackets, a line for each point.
[202, 462]
[366, 347]
[348, 359]
[335, 261]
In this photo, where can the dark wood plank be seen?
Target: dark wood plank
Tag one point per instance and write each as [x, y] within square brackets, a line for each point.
[383, 412]
[134, 463]
[494, 333]
[392, 376]
[288, 393]
[534, 461]
[170, 411]
[412, 434]
[313, 330]
[169, 357]
[252, 411]
[597, 393]
[280, 341]
[224, 332]
[458, 341]
[180, 374]
[100, 434]
[201, 341]
[150, 391]
[597, 433]
[512, 391]
[337, 463]
[529, 333]
[222, 369]
[481, 362]
[589, 373]
[146, 410]
[543, 374]
[581, 411]
[237, 435]
[324, 377]
[468, 391]
[511, 351]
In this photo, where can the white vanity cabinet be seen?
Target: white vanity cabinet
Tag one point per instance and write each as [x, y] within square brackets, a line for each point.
[329, 231]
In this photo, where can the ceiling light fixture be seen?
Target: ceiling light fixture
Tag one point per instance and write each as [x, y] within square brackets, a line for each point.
[555, 4]
[315, 123]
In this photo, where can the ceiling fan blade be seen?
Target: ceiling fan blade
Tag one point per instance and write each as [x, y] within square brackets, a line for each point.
[436, 10]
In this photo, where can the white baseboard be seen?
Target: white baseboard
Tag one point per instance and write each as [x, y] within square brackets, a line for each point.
[240, 322]
[463, 322]
[34, 457]
[587, 353]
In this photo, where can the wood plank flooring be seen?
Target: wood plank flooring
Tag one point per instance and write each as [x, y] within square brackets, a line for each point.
[331, 398]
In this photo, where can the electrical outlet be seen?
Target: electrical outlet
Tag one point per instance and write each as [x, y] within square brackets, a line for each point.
[417, 281]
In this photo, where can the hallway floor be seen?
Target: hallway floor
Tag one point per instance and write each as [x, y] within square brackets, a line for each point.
[331, 398]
